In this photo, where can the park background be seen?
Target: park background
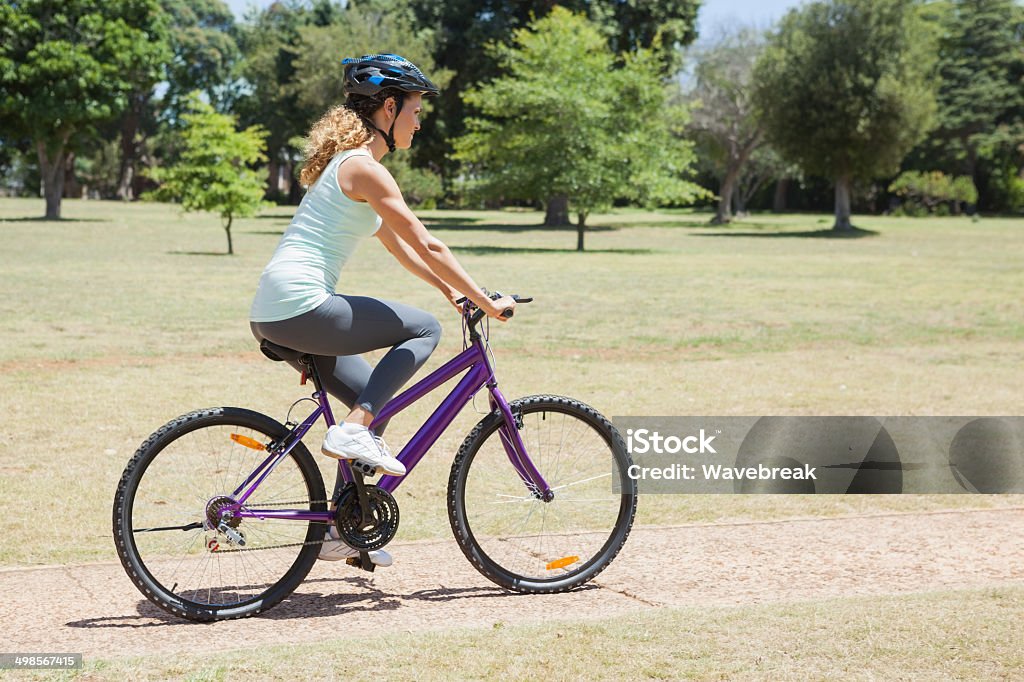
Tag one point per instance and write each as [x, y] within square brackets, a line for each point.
[820, 216]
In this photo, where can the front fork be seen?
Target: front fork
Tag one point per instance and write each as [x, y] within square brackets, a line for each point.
[515, 449]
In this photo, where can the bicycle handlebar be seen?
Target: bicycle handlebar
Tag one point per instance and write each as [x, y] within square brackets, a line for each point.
[474, 314]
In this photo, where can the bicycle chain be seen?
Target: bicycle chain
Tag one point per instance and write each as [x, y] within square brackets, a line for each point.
[293, 544]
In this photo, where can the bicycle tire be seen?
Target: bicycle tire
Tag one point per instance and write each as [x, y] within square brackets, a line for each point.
[298, 464]
[499, 563]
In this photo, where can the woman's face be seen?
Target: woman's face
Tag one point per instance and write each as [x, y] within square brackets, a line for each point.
[408, 119]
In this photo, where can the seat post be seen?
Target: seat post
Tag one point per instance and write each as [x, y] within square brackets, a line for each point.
[311, 372]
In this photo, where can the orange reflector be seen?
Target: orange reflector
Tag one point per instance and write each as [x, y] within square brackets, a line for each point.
[247, 442]
[562, 563]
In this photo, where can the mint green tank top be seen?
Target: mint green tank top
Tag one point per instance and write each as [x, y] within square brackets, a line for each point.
[326, 229]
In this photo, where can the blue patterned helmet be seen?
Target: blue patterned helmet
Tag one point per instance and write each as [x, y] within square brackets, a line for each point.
[369, 74]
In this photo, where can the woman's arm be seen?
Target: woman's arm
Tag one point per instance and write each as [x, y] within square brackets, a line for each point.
[372, 181]
[409, 259]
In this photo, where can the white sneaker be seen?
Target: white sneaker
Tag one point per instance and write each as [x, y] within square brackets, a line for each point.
[354, 441]
[334, 549]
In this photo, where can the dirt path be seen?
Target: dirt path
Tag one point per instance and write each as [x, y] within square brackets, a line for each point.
[95, 610]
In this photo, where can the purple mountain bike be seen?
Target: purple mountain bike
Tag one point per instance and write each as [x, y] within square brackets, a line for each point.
[221, 513]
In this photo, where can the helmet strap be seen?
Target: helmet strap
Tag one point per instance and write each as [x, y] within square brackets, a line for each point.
[389, 136]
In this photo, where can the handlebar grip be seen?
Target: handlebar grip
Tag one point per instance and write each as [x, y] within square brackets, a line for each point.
[507, 313]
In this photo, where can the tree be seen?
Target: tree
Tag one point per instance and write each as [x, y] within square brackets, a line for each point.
[934, 192]
[143, 75]
[215, 171]
[199, 54]
[724, 118]
[571, 118]
[270, 41]
[205, 54]
[67, 66]
[367, 28]
[764, 166]
[464, 28]
[981, 95]
[846, 88]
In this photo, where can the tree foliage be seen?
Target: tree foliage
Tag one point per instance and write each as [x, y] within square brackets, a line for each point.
[846, 88]
[981, 95]
[368, 28]
[67, 66]
[724, 119]
[464, 29]
[933, 192]
[270, 41]
[205, 53]
[214, 172]
[572, 118]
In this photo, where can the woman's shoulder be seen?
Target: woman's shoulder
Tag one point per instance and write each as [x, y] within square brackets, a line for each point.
[362, 165]
[355, 152]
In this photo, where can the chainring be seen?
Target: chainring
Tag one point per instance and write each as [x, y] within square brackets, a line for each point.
[383, 518]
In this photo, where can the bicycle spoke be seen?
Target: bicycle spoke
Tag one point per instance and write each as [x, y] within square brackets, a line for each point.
[572, 535]
[189, 479]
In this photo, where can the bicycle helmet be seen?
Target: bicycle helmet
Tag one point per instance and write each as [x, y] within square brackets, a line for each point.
[370, 74]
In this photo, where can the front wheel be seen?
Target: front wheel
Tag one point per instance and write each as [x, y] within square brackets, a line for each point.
[530, 542]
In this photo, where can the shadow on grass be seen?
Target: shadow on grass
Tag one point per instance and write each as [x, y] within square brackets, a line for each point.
[312, 604]
[53, 220]
[470, 224]
[268, 233]
[685, 224]
[829, 233]
[198, 253]
[497, 250]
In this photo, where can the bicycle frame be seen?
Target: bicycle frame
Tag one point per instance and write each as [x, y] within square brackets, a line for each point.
[481, 373]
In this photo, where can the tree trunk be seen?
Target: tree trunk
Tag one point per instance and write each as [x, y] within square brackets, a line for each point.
[227, 228]
[72, 188]
[51, 167]
[779, 200]
[724, 212]
[295, 190]
[557, 211]
[273, 179]
[289, 177]
[843, 186]
[740, 203]
[581, 227]
[129, 147]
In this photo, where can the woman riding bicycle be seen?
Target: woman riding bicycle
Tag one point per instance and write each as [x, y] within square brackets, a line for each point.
[352, 196]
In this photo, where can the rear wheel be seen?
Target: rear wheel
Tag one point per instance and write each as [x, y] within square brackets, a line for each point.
[166, 516]
[520, 540]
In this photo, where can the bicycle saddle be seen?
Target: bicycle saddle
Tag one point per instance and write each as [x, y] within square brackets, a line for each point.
[279, 353]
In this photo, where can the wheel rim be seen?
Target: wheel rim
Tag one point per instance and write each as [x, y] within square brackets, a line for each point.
[201, 566]
[526, 537]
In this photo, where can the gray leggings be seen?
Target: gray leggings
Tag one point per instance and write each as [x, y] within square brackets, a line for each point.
[341, 327]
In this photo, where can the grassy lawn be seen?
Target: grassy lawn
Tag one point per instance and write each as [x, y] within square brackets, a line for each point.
[127, 315]
[971, 634]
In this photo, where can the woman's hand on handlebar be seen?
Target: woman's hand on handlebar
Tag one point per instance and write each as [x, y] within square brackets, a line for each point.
[455, 298]
[499, 306]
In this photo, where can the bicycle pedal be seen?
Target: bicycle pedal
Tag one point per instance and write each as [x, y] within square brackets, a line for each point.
[357, 562]
[364, 468]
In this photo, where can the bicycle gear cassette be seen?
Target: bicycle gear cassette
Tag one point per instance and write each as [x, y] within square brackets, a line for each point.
[383, 518]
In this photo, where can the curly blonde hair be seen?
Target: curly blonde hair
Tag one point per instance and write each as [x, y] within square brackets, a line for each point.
[342, 127]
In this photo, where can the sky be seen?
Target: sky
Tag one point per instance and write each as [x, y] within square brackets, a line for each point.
[712, 12]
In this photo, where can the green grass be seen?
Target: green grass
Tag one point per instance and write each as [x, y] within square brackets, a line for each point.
[126, 316]
[971, 634]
